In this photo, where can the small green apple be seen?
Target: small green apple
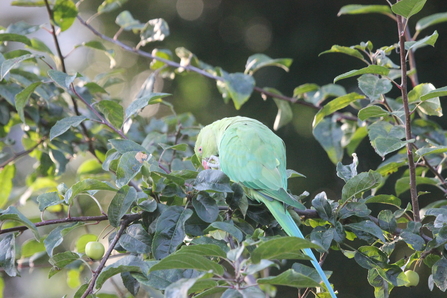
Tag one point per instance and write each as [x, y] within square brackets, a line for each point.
[94, 250]
[413, 278]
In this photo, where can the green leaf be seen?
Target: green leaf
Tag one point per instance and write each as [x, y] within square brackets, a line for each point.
[7, 174]
[373, 86]
[136, 240]
[257, 61]
[63, 259]
[22, 97]
[126, 21]
[439, 271]
[123, 146]
[154, 30]
[414, 241]
[385, 137]
[239, 87]
[290, 278]
[181, 287]
[371, 69]
[211, 250]
[40, 46]
[284, 115]
[120, 204]
[110, 5]
[426, 41]
[64, 13]
[434, 93]
[129, 165]
[362, 9]
[65, 124]
[97, 45]
[346, 172]
[227, 227]
[12, 213]
[432, 150]
[329, 134]
[183, 260]
[408, 8]
[7, 65]
[358, 184]
[324, 209]
[282, 248]
[212, 180]
[301, 90]
[7, 255]
[387, 221]
[61, 78]
[169, 231]
[127, 264]
[141, 102]
[369, 227]
[353, 209]
[48, 199]
[384, 199]
[372, 112]
[56, 236]
[431, 20]
[335, 105]
[86, 185]
[83, 240]
[5, 37]
[403, 184]
[344, 50]
[205, 207]
[431, 104]
[31, 247]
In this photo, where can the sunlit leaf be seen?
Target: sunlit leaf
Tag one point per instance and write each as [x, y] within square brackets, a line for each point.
[371, 69]
[431, 20]
[362, 9]
[408, 8]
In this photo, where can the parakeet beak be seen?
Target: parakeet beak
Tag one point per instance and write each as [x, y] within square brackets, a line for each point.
[205, 164]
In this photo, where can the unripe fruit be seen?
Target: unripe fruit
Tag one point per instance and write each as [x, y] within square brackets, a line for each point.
[413, 278]
[94, 250]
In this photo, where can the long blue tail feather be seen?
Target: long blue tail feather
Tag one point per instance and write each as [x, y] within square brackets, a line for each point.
[288, 224]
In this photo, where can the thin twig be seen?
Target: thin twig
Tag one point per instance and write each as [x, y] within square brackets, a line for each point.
[20, 154]
[124, 223]
[404, 93]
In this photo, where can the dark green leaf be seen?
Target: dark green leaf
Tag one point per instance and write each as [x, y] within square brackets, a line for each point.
[211, 250]
[354, 209]
[370, 257]
[126, 264]
[362, 182]
[180, 288]
[239, 87]
[7, 65]
[414, 241]
[212, 180]
[372, 112]
[205, 207]
[169, 231]
[64, 13]
[329, 134]
[403, 184]
[368, 227]
[56, 236]
[290, 278]
[39, 46]
[12, 213]
[136, 240]
[346, 172]
[385, 137]
[63, 259]
[120, 204]
[384, 199]
[7, 255]
[5, 37]
[282, 248]
[373, 86]
[129, 165]
[113, 112]
[387, 221]
[61, 78]
[439, 271]
[65, 124]
[22, 99]
[48, 199]
[324, 209]
[123, 146]
[188, 261]
[141, 102]
[86, 185]
[227, 227]
[284, 115]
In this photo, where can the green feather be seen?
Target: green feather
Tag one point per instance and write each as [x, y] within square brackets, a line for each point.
[253, 156]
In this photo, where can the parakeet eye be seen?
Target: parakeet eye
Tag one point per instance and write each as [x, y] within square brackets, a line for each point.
[200, 149]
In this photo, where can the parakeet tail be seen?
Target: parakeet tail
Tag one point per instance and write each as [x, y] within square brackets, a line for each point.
[288, 224]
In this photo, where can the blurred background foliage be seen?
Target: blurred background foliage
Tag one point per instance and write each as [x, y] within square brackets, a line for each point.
[225, 34]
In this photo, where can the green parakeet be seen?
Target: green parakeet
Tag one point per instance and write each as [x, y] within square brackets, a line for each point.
[250, 154]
